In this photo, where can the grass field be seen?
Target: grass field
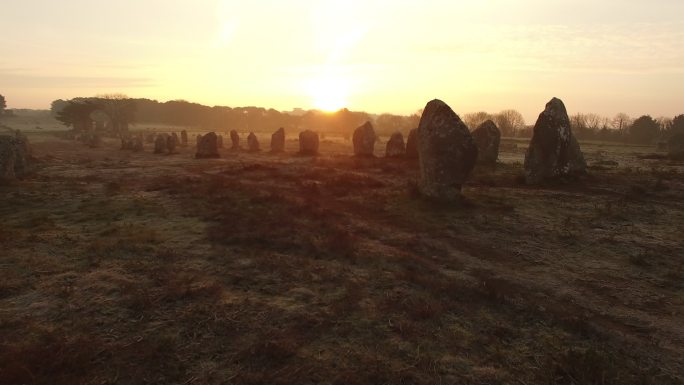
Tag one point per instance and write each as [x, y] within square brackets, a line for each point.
[123, 268]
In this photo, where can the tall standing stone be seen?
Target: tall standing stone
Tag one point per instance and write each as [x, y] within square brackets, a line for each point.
[364, 140]
[160, 145]
[171, 143]
[235, 140]
[446, 152]
[395, 146]
[252, 143]
[184, 138]
[308, 143]
[278, 140]
[207, 146]
[412, 144]
[554, 150]
[487, 137]
[15, 157]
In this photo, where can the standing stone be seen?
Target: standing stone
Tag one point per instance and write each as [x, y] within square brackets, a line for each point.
[487, 137]
[308, 143]
[149, 138]
[207, 146]
[94, 140]
[15, 157]
[446, 152]
[198, 139]
[252, 142]
[160, 144]
[126, 143]
[364, 140]
[137, 144]
[412, 144]
[675, 147]
[553, 151]
[171, 143]
[278, 140]
[235, 139]
[395, 146]
[184, 138]
[219, 141]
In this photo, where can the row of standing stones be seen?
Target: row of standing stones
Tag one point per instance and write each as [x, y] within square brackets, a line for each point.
[445, 148]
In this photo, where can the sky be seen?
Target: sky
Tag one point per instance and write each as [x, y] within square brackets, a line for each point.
[379, 56]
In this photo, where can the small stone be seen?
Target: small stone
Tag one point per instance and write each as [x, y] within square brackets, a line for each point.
[252, 143]
[207, 146]
[364, 140]
[278, 140]
[308, 143]
[487, 137]
[395, 146]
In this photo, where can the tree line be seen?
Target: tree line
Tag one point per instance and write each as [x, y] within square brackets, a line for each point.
[118, 111]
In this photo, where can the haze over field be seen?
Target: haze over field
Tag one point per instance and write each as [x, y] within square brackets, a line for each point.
[378, 56]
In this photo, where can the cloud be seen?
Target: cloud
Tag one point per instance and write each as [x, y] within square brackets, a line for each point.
[22, 80]
[615, 48]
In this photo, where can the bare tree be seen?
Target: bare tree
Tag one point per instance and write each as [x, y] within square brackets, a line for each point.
[474, 119]
[621, 121]
[509, 122]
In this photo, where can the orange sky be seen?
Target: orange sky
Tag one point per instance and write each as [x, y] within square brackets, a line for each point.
[378, 56]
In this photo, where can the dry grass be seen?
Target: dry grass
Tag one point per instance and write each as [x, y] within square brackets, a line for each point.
[263, 269]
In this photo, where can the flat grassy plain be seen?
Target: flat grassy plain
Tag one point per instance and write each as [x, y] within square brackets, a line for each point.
[134, 268]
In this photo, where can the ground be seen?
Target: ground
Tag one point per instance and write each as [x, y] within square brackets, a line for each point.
[125, 268]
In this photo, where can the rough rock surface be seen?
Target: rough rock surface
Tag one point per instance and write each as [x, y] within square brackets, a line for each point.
[675, 147]
[252, 143]
[160, 144]
[412, 144]
[553, 151]
[184, 138]
[207, 146]
[278, 140]
[172, 143]
[487, 137]
[364, 140]
[137, 144]
[219, 141]
[308, 142]
[235, 139]
[15, 157]
[395, 145]
[447, 152]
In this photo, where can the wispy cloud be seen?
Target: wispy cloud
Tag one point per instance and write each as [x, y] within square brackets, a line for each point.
[23, 80]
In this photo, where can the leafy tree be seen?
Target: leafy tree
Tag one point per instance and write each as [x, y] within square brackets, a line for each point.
[57, 105]
[677, 125]
[77, 114]
[644, 130]
[119, 108]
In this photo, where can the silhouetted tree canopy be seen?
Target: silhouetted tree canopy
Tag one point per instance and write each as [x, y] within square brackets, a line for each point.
[644, 130]
[77, 114]
[677, 125]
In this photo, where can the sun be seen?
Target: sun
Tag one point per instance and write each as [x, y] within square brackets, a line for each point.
[329, 93]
